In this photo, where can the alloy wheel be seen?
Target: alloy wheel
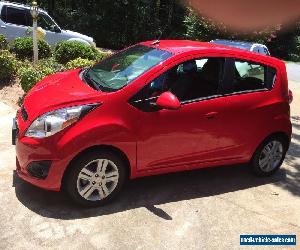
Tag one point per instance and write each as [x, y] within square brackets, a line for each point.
[97, 179]
[271, 156]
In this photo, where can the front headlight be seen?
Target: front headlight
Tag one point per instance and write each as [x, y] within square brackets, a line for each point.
[52, 122]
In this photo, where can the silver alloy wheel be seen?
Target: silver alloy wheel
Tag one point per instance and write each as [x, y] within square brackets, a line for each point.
[97, 179]
[271, 156]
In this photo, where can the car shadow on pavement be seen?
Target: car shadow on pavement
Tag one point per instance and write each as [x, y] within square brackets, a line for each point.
[147, 192]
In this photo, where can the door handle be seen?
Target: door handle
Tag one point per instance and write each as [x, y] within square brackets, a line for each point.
[3, 26]
[211, 115]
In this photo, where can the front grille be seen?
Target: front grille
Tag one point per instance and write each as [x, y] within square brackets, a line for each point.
[24, 114]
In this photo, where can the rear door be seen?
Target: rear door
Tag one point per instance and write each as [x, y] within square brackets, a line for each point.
[16, 22]
[250, 103]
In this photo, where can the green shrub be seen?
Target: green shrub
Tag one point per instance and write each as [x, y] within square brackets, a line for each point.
[294, 57]
[297, 44]
[8, 65]
[29, 76]
[50, 66]
[23, 48]
[3, 43]
[102, 55]
[69, 50]
[79, 63]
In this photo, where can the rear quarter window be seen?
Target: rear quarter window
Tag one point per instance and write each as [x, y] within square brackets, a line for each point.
[251, 76]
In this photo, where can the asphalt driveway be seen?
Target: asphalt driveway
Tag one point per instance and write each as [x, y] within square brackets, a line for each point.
[203, 209]
[293, 71]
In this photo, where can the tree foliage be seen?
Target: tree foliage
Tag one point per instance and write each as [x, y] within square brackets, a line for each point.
[119, 23]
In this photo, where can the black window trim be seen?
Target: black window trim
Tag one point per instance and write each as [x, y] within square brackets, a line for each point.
[247, 92]
[206, 98]
[200, 99]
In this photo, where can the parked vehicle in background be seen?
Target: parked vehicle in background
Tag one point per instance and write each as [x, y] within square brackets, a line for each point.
[253, 47]
[16, 21]
[149, 110]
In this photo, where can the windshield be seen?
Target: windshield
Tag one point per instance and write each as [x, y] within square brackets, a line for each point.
[45, 22]
[122, 68]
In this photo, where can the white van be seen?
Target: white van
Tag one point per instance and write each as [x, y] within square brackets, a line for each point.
[16, 21]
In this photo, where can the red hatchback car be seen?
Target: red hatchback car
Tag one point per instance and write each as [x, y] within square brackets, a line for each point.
[153, 108]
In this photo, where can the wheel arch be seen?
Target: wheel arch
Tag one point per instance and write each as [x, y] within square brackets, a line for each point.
[280, 134]
[99, 148]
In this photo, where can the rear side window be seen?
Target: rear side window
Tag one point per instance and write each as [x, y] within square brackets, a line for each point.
[250, 76]
[16, 16]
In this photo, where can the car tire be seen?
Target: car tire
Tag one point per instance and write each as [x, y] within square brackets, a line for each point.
[95, 178]
[269, 156]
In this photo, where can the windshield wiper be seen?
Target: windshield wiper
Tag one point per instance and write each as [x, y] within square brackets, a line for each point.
[89, 80]
[98, 84]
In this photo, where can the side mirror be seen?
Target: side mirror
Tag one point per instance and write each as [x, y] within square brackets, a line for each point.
[168, 101]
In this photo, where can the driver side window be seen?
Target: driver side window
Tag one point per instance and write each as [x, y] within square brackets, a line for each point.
[46, 23]
[189, 81]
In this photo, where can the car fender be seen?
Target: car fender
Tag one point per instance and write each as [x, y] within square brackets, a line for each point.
[79, 138]
[281, 124]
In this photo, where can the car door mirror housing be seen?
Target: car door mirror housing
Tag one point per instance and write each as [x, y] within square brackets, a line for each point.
[168, 101]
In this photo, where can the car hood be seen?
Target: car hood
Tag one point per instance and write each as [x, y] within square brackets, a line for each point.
[73, 34]
[58, 91]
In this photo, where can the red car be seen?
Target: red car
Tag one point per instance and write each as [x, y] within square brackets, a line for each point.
[154, 108]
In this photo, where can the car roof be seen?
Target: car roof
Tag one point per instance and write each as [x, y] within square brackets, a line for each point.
[181, 46]
[18, 5]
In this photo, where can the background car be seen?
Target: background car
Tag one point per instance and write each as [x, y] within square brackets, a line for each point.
[253, 47]
[16, 21]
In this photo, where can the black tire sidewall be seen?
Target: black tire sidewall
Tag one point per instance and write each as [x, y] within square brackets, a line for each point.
[76, 167]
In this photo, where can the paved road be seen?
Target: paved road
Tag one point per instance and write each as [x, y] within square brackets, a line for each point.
[293, 70]
[205, 209]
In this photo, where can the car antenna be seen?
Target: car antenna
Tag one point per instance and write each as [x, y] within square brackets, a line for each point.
[157, 41]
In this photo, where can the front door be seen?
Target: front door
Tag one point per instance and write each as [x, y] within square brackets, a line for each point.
[187, 137]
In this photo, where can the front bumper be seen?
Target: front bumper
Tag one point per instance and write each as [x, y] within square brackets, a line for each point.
[30, 152]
